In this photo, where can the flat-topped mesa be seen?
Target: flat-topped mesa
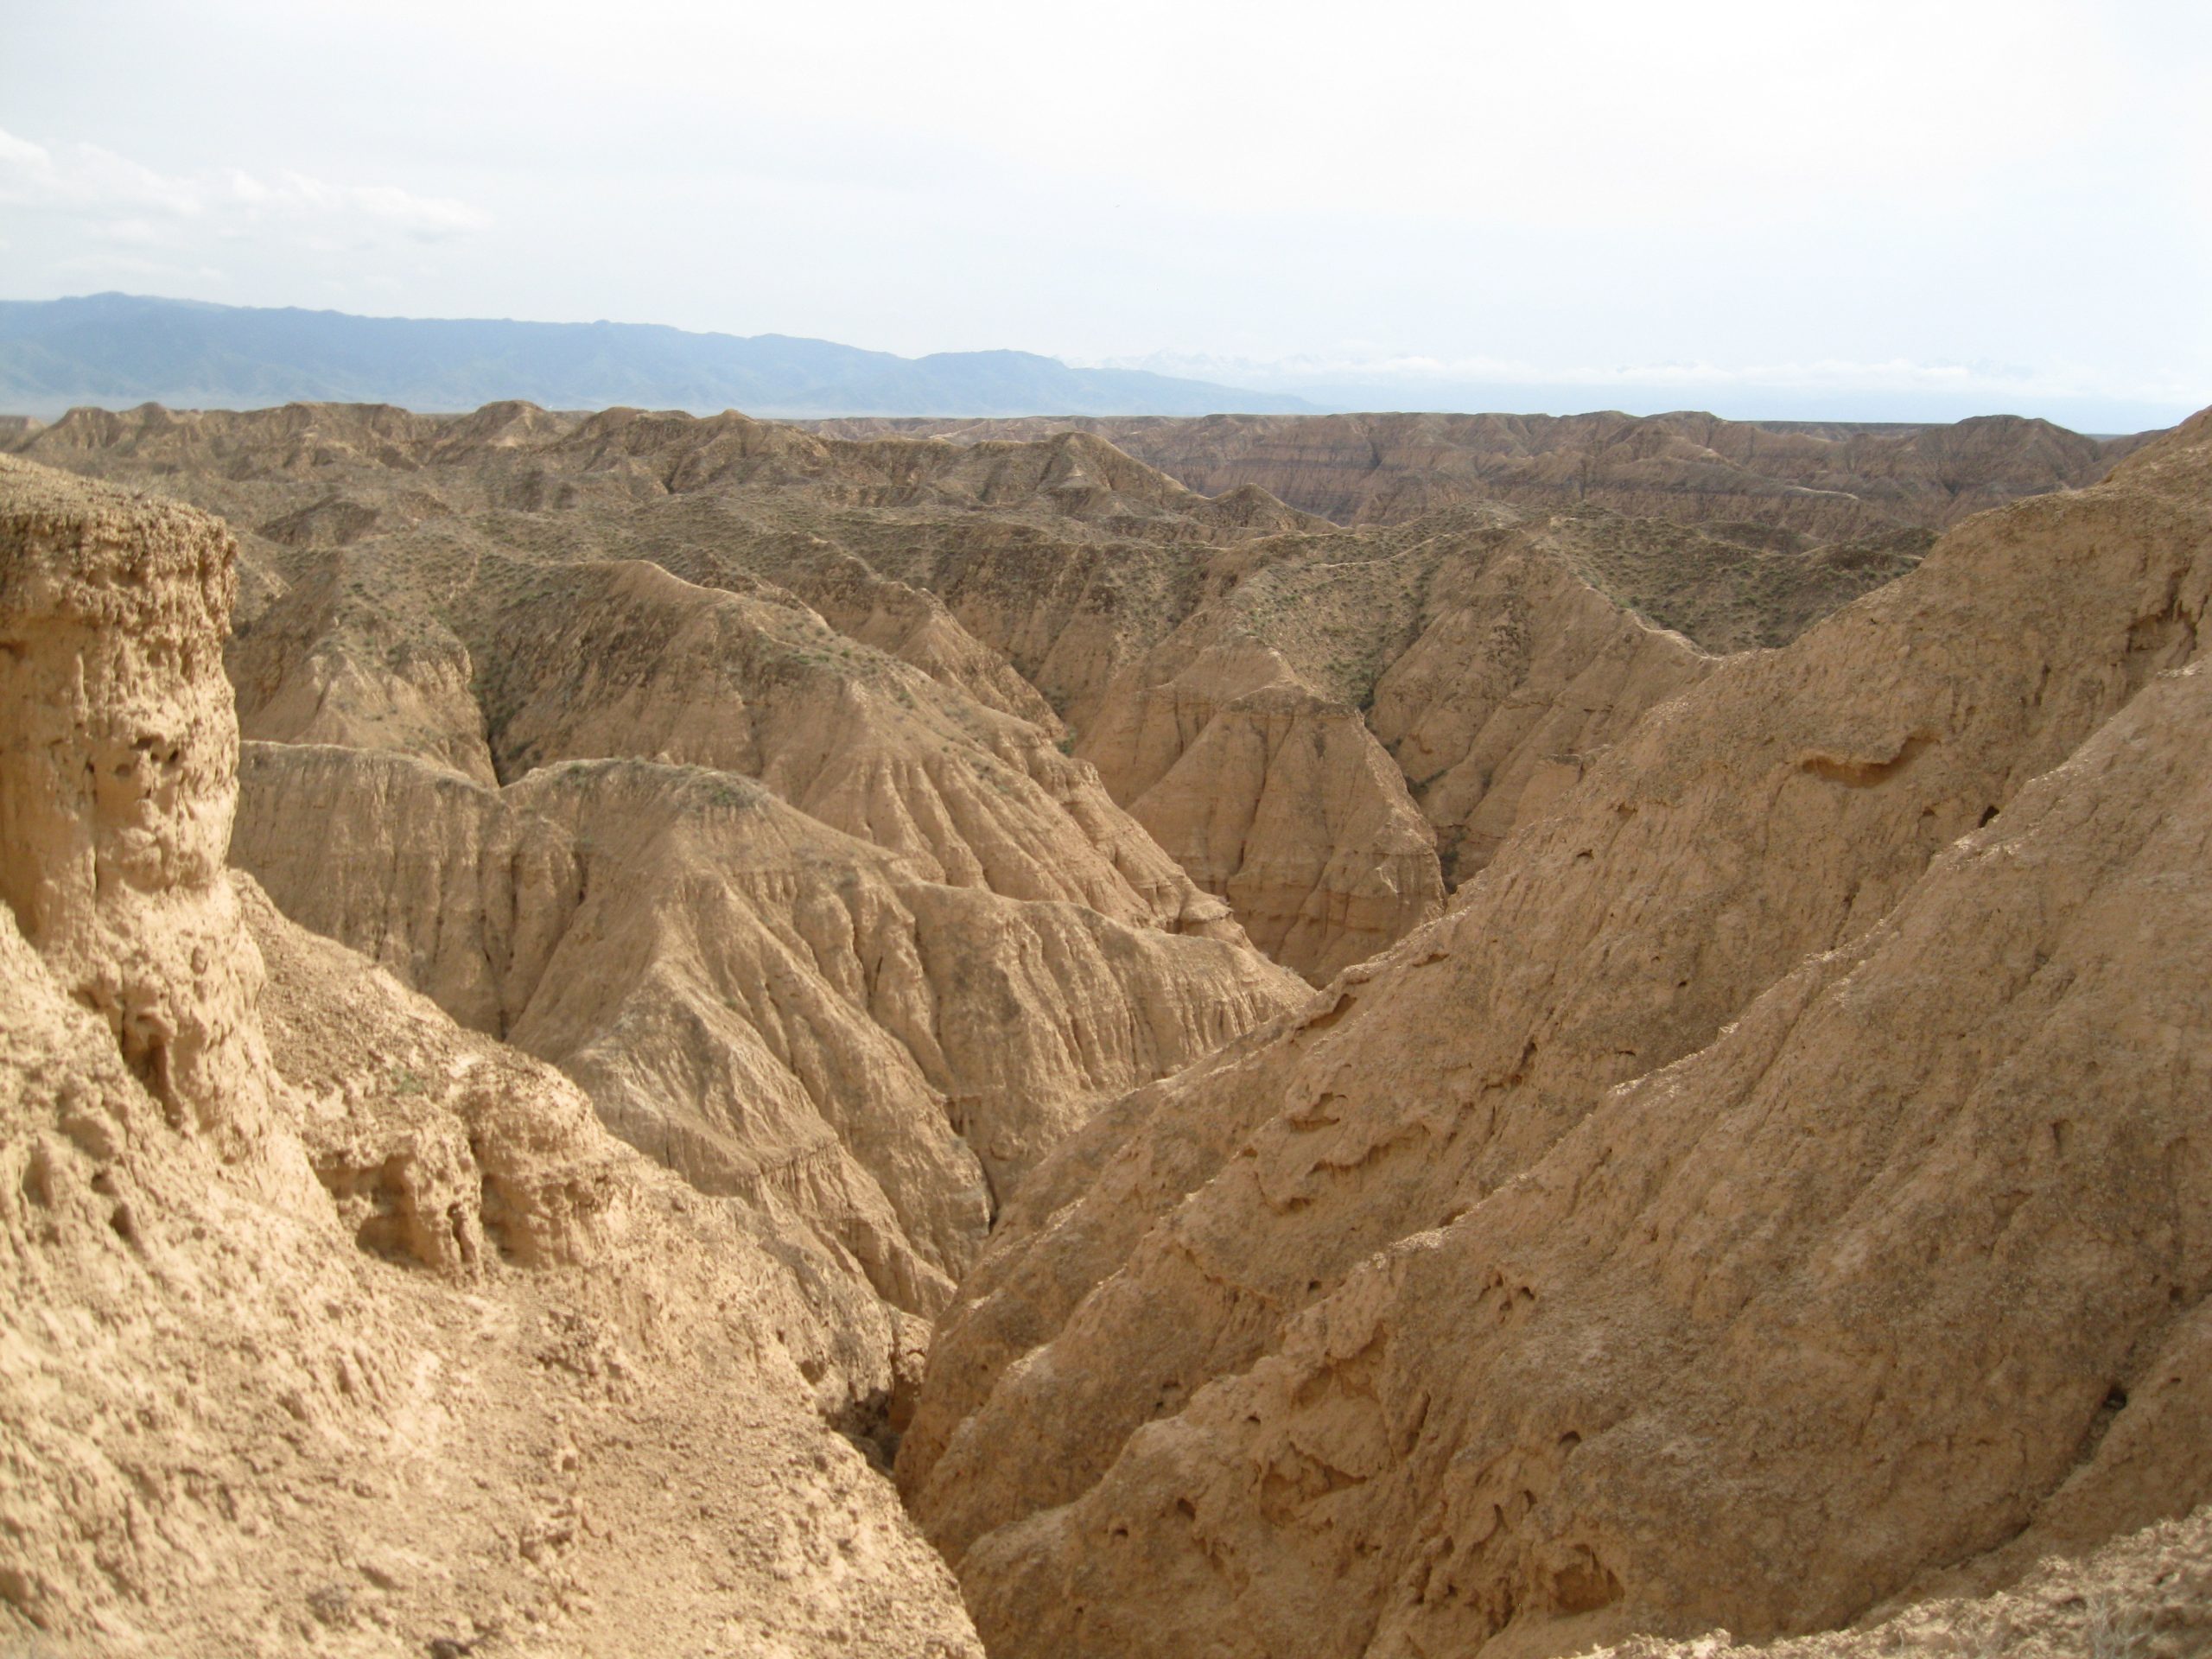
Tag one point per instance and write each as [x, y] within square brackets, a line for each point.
[118, 779]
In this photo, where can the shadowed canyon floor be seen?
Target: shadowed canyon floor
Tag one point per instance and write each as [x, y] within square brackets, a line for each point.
[1508, 1077]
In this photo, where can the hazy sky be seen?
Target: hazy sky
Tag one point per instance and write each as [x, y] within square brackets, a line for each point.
[1758, 208]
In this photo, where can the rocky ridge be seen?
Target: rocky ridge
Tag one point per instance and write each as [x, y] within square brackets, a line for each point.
[1599, 1109]
[1832, 481]
[333, 1326]
[769, 1007]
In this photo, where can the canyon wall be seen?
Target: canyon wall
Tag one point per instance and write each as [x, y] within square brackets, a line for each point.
[1613, 1253]
[332, 1325]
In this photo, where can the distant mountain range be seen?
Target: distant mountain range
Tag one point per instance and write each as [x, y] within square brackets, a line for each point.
[118, 350]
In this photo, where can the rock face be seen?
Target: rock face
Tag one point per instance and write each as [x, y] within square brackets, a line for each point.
[2150, 1593]
[836, 929]
[1276, 798]
[330, 1324]
[117, 777]
[1743, 1165]
[771, 1009]
[340, 658]
[1609, 1255]
[1283, 717]
[1830, 480]
[625, 659]
[1524, 673]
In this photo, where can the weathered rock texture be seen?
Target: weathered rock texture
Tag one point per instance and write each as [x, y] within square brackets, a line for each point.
[340, 658]
[770, 1007]
[1277, 798]
[1523, 673]
[2148, 1595]
[625, 659]
[845, 933]
[331, 1326]
[118, 776]
[1778, 1177]
[1771, 1188]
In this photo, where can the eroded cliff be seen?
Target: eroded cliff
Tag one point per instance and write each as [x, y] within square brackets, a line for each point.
[332, 1325]
[1738, 1110]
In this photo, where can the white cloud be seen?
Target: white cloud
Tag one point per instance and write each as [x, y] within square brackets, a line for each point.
[125, 200]
[424, 215]
[124, 267]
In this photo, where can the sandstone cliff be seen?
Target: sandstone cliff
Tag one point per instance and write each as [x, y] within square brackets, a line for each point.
[337, 657]
[1768, 1192]
[771, 1009]
[1732, 1117]
[331, 1325]
[117, 779]
[1409, 663]
[625, 659]
[779, 1011]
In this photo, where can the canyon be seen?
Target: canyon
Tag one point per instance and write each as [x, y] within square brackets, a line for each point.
[1368, 1035]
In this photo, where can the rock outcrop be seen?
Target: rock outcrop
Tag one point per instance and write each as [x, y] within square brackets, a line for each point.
[339, 657]
[1610, 1255]
[1745, 1165]
[330, 1324]
[1523, 674]
[1277, 798]
[1410, 665]
[770, 1007]
[621, 659]
[117, 778]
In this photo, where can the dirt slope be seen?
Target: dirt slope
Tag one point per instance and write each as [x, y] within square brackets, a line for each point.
[2146, 1596]
[770, 1007]
[1721, 1104]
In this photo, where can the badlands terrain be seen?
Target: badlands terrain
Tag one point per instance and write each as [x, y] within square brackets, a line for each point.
[1344, 1036]
[1822, 481]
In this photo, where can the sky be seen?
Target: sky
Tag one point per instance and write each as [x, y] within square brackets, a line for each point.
[1863, 211]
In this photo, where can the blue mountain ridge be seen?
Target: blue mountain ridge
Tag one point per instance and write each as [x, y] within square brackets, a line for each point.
[116, 350]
